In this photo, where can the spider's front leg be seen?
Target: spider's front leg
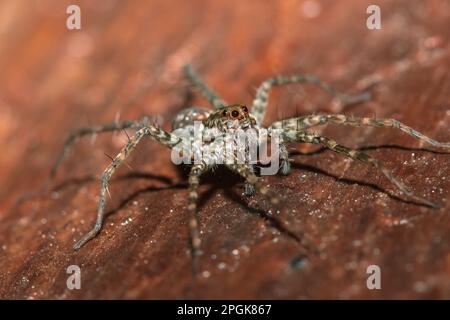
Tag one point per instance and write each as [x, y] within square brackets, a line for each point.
[261, 99]
[151, 130]
[246, 171]
[212, 97]
[249, 189]
[75, 135]
[302, 136]
[302, 123]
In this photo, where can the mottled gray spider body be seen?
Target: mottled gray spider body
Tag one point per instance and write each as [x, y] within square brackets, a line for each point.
[226, 118]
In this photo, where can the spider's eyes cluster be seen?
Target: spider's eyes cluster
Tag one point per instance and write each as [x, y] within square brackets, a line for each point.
[234, 113]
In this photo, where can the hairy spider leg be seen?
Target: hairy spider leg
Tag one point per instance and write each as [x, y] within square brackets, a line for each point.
[303, 123]
[212, 97]
[249, 189]
[285, 165]
[194, 180]
[247, 173]
[261, 99]
[75, 135]
[356, 155]
[150, 130]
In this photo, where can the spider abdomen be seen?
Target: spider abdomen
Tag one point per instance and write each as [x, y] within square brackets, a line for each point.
[189, 116]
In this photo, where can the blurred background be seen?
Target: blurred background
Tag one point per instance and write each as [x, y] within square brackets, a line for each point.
[125, 62]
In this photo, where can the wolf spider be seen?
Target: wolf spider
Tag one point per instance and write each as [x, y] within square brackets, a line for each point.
[225, 117]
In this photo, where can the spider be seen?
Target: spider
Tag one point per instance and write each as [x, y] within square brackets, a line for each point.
[228, 117]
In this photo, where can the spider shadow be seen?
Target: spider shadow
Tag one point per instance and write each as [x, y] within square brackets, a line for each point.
[228, 180]
[137, 193]
[348, 181]
[351, 181]
[208, 179]
[45, 190]
[273, 221]
[129, 176]
[373, 147]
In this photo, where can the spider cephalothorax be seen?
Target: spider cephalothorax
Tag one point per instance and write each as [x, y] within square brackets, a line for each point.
[232, 117]
[200, 133]
[228, 135]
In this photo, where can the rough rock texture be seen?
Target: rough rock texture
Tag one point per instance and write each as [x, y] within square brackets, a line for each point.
[126, 59]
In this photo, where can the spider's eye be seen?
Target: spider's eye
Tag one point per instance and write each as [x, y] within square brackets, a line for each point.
[224, 113]
[245, 109]
[235, 113]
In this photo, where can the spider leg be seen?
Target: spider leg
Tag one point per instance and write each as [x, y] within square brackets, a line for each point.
[249, 189]
[75, 135]
[303, 123]
[260, 101]
[357, 155]
[153, 131]
[194, 180]
[246, 172]
[285, 165]
[201, 86]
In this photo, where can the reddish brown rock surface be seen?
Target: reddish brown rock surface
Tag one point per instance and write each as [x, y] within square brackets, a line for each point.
[127, 59]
